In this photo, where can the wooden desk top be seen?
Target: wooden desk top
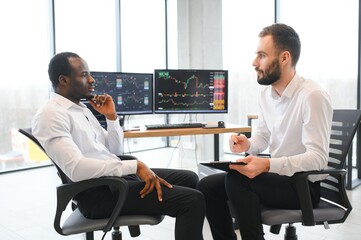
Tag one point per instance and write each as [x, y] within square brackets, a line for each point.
[186, 131]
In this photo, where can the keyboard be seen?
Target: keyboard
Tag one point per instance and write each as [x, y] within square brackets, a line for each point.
[174, 125]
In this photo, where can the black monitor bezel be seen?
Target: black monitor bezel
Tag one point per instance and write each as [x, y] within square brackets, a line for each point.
[157, 111]
[151, 101]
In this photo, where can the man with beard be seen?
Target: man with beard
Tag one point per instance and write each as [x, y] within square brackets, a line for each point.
[295, 124]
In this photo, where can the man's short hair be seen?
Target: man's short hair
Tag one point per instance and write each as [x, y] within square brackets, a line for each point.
[285, 38]
[59, 65]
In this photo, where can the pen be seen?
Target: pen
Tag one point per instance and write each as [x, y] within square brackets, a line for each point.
[237, 135]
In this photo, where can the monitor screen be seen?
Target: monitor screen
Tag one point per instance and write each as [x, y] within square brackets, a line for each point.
[190, 91]
[132, 93]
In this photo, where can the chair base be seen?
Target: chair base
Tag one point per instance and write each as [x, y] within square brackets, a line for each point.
[275, 229]
[116, 234]
[133, 230]
[89, 236]
[290, 233]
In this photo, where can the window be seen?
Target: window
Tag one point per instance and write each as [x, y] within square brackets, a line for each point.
[242, 22]
[88, 28]
[142, 35]
[329, 47]
[25, 50]
[143, 49]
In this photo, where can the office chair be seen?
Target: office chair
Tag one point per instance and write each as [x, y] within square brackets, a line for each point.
[334, 206]
[76, 223]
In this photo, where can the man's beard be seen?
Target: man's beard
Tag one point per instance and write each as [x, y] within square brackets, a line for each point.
[271, 75]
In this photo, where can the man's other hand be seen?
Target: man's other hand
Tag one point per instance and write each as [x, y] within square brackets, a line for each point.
[151, 181]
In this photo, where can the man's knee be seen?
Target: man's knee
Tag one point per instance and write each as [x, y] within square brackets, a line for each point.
[235, 180]
[205, 184]
[212, 185]
[191, 179]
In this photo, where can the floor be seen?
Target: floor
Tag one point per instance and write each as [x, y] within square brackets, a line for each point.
[27, 206]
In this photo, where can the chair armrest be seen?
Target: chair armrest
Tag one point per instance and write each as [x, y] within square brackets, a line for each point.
[127, 157]
[303, 191]
[66, 192]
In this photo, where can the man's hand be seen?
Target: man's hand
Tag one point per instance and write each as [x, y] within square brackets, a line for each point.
[255, 166]
[151, 181]
[238, 143]
[104, 104]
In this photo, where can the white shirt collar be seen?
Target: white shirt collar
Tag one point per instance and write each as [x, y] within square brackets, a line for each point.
[66, 103]
[289, 90]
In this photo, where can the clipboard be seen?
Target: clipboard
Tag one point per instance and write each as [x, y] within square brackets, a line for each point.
[222, 165]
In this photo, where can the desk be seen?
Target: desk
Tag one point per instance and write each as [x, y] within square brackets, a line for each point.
[190, 131]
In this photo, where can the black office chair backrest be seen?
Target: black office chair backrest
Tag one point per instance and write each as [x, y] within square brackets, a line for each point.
[28, 133]
[344, 126]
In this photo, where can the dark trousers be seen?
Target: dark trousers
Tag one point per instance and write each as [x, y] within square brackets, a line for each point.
[246, 197]
[183, 202]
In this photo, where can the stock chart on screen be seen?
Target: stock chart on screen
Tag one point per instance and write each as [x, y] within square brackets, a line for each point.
[190, 91]
[132, 93]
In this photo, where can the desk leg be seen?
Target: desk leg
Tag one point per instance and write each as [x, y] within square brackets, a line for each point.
[349, 169]
[216, 147]
[352, 183]
[356, 182]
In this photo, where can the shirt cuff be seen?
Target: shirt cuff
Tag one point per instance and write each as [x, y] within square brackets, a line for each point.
[276, 165]
[252, 150]
[113, 123]
[129, 167]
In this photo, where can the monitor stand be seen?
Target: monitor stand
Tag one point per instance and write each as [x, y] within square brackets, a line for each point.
[121, 120]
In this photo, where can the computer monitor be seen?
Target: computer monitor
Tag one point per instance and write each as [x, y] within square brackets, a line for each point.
[190, 91]
[132, 93]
